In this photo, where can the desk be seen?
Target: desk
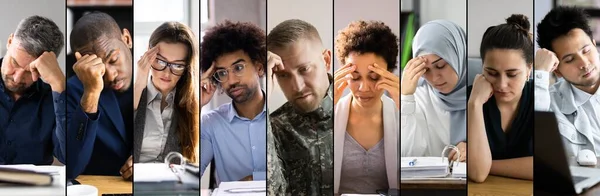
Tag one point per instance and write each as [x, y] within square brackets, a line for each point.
[434, 187]
[496, 185]
[106, 184]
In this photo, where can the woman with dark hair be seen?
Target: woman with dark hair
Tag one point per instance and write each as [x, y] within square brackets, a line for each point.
[166, 103]
[500, 106]
[363, 160]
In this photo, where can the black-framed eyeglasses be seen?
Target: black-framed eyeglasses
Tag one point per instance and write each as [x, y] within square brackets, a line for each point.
[222, 75]
[176, 69]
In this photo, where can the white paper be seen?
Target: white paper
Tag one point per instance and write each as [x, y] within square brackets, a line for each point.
[57, 187]
[153, 172]
[41, 169]
[426, 168]
[246, 188]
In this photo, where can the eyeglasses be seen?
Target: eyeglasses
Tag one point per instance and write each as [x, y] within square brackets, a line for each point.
[176, 69]
[222, 74]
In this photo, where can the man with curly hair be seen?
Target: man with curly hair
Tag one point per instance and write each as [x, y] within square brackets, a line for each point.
[569, 51]
[301, 136]
[233, 60]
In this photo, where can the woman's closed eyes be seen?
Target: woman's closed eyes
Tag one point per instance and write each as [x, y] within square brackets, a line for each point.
[508, 74]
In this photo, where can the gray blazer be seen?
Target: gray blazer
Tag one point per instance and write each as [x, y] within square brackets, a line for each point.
[391, 133]
[138, 131]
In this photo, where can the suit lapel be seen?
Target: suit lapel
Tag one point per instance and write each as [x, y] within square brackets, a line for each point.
[109, 103]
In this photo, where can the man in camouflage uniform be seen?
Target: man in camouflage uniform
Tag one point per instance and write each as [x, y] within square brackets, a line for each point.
[300, 139]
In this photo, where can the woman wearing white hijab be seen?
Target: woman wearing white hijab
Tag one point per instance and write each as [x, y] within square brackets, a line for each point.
[366, 121]
[433, 111]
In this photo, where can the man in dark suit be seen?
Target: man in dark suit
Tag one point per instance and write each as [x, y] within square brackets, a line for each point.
[99, 99]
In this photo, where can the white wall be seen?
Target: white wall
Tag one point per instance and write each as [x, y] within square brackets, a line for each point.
[386, 11]
[495, 13]
[542, 7]
[453, 10]
[12, 12]
[319, 13]
[406, 5]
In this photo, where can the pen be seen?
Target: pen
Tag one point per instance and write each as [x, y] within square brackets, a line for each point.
[412, 163]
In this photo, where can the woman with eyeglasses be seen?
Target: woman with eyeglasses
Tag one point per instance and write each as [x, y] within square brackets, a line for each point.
[166, 103]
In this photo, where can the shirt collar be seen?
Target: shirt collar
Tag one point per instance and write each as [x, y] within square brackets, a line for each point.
[580, 97]
[233, 113]
[154, 94]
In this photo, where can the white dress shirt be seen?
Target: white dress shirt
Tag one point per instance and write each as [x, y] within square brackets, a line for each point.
[577, 112]
[158, 124]
[425, 127]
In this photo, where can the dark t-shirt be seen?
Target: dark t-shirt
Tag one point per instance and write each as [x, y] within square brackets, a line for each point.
[518, 141]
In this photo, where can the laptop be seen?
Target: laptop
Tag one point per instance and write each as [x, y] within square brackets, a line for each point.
[552, 172]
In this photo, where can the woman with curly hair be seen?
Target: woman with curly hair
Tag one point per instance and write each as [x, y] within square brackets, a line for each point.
[166, 104]
[364, 161]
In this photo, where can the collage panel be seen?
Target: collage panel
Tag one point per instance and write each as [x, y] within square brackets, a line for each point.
[234, 116]
[166, 103]
[32, 98]
[566, 76]
[99, 97]
[300, 84]
[366, 97]
[433, 100]
[500, 112]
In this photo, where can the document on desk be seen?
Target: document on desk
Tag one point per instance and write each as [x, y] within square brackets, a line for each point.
[57, 187]
[153, 172]
[415, 168]
[246, 188]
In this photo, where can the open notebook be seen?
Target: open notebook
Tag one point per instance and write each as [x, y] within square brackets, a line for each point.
[430, 167]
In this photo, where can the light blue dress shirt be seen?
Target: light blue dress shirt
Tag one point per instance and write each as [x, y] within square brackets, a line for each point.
[237, 144]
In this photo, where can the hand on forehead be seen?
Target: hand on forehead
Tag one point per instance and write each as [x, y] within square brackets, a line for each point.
[20, 57]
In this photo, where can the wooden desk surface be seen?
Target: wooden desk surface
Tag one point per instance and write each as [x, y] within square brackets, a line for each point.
[434, 184]
[496, 185]
[106, 184]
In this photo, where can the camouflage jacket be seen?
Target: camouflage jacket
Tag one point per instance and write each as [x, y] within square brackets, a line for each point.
[300, 150]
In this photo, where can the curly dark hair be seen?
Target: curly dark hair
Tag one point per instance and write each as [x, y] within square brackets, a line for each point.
[368, 36]
[558, 22]
[229, 37]
[514, 34]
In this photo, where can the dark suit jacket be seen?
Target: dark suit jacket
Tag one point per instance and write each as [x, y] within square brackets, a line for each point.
[96, 144]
